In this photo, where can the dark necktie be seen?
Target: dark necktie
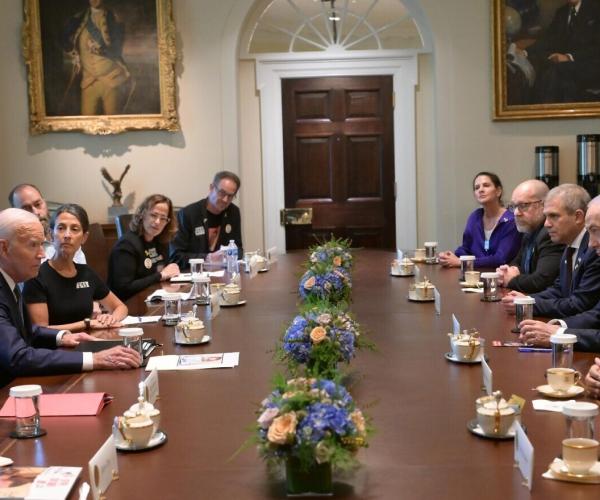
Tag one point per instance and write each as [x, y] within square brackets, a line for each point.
[572, 17]
[569, 268]
[526, 259]
[19, 299]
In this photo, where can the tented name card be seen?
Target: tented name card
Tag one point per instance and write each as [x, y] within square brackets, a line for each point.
[103, 468]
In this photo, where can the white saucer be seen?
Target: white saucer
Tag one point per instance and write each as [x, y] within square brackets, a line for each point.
[4, 461]
[204, 340]
[473, 426]
[464, 284]
[420, 300]
[546, 390]
[182, 278]
[398, 275]
[417, 261]
[238, 303]
[263, 270]
[450, 357]
[159, 438]
[560, 471]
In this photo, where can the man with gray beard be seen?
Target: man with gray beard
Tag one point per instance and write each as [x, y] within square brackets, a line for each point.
[537, 264]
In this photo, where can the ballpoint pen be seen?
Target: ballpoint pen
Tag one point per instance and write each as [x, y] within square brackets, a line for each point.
[535, 349]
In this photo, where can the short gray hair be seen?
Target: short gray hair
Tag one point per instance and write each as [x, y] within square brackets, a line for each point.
[572, 197]
[13, 218]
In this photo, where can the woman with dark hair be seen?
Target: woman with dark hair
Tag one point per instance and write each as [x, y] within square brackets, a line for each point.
[490, 234]
[63, 294]
[139, 258]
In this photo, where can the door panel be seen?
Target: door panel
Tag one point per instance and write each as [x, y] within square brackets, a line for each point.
[338, 158]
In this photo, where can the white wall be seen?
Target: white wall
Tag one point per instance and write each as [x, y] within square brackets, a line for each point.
[455, 134]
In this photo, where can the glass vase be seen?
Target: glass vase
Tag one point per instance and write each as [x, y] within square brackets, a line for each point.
[316, 480]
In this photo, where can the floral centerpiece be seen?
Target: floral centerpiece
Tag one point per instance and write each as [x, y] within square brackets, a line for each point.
[320, 337]
[334, 253]
[311, 425]
[323, 282]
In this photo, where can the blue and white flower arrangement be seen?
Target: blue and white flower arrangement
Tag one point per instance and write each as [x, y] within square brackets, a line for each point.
[311, 421]
[320, 337]
[332, 253]
[332, 284]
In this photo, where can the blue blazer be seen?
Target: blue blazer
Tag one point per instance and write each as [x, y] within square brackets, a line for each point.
[561, 301]
[30, 350]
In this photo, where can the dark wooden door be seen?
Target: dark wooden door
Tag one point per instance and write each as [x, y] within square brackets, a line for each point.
[339, 159]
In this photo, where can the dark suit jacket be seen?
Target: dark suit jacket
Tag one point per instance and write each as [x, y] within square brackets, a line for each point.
[191, 240]
[560, 301]
[544, 263]
[588, 339]
[582, 41]
[31, 350]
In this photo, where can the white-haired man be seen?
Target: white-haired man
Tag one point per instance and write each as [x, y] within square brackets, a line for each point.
[27, 349]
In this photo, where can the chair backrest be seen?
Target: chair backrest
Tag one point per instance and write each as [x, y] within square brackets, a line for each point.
[122, 224]
[96, 251]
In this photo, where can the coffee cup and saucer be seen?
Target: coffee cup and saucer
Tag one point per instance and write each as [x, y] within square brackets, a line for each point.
[493, 423]
[402, 268]
[579, 461]
[230, 296]
[562, 383]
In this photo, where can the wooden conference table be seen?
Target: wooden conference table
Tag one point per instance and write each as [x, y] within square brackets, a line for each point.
[420, 402]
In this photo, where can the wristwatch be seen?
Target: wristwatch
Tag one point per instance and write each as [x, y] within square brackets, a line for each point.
[88, 323]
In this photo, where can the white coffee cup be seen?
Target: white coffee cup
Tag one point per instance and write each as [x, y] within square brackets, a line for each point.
[466, 350]
[472, 277]
[562, 379]
[493, 424]
[579, 454]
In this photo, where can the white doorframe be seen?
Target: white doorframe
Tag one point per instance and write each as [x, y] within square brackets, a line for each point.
[272, 68]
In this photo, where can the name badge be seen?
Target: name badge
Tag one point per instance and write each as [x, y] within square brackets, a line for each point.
[199, 231]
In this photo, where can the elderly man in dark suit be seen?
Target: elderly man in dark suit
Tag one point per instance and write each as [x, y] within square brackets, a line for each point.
[536, 265]
[585, 325]
[27, 349]
[577, 288]
[567, 56]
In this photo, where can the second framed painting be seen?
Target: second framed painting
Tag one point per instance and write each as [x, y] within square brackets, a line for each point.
[100, 66]
[546, 58]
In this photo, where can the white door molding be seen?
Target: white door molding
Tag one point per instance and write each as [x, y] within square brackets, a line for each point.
[272, 68]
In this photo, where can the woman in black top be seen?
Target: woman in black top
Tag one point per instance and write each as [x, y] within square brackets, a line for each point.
[62, 295]
[139, 258]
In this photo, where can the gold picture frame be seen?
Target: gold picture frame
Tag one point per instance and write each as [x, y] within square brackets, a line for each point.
[102, 70]
[529, 83]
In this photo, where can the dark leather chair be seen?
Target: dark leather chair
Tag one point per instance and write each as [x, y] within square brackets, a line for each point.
[96, 251]
[122, 224]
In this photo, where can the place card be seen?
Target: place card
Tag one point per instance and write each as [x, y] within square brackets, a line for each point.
[399, 254]
[455, 325]
[417, 274]
[437, 298]
[151, 392]
[215, 306]
[103, 468]
[487, 376]
[523, 455]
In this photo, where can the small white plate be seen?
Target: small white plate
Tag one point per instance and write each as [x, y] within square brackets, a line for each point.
[4, 461]
[238, 303]
[560, 471]
[204, 340]
[464, 284]
[417, 261]
[182, 278]
[473, 426]
[398, 275]
[450, 357]
[420, 300]
[546, 390]
[159, 438]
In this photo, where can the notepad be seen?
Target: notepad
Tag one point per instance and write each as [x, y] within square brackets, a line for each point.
[48, 483]
[64, 405]
[194, 361]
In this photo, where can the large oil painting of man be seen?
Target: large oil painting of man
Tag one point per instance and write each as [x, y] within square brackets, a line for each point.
[100, 66]
[546, 58]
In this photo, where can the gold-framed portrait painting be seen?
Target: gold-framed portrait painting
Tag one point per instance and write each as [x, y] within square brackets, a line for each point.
[546, 58]
[100, 66]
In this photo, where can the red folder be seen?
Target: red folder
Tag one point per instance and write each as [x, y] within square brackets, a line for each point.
[64, 405]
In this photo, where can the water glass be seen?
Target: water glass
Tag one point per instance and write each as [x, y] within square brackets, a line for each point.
[27, 413]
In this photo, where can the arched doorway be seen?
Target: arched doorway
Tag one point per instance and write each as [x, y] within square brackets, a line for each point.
[314, 39]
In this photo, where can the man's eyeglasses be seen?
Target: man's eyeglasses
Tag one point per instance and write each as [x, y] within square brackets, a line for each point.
[162, 219]
[224, 195]
[523, 207]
